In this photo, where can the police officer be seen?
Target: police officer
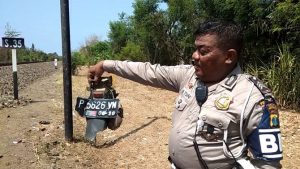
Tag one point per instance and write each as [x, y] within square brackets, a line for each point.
[222, 118]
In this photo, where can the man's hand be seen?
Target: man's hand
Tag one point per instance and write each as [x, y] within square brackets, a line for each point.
[95, 72]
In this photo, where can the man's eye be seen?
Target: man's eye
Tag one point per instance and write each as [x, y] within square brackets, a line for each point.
[203, 52]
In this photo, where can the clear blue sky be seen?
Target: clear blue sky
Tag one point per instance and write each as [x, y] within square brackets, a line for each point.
[39, 21]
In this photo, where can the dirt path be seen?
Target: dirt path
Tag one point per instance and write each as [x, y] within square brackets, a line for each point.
[33, 136]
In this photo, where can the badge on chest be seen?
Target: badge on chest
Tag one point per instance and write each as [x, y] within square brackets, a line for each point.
[223, 101]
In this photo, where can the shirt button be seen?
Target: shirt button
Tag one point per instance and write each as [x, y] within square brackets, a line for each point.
[203, 117]
[220, 124]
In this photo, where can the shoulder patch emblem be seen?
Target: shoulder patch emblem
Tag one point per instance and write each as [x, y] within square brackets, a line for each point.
[274, 115]
[270, 118]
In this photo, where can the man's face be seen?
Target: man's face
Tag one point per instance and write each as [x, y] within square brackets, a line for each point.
[210, 60]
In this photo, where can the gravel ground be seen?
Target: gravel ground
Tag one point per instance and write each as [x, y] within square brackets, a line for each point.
[26, 73]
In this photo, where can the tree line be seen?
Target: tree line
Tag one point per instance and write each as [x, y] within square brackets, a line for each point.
[27, 55]
[161, 31]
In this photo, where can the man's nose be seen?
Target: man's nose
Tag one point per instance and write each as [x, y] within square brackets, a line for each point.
[195, 56]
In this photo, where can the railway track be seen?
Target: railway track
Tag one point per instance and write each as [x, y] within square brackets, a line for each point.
[27, 73]
[21, 63]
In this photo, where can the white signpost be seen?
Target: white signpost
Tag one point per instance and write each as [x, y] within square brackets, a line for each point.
[14, 44]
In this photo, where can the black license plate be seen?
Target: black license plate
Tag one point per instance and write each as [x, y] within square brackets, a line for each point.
[102, 108]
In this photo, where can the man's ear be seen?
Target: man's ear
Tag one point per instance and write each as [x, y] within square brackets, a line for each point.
[231, 56]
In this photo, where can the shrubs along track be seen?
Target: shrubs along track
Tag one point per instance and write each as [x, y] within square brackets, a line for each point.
[27, 73]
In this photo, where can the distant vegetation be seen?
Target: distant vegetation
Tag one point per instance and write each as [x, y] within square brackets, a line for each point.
[27, 55]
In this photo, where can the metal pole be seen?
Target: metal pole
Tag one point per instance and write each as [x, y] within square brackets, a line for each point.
[67, 77]
[15, 74]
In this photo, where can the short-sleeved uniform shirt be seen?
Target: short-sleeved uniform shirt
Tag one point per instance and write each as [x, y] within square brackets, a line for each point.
[220, 115]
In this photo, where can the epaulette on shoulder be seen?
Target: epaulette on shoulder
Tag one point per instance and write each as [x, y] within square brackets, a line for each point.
[260, 85]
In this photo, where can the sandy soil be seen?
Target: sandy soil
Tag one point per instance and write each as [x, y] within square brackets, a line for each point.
[33, 136]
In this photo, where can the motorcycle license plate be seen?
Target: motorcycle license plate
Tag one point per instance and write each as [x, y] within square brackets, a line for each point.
[102, 108]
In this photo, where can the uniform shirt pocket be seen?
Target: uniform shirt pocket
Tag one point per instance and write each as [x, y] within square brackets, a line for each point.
[215, 123]
[216, 119]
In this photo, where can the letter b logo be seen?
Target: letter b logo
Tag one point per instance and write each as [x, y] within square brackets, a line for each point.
[268, 143]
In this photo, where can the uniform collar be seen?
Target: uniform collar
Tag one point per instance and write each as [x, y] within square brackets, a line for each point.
[229, 81]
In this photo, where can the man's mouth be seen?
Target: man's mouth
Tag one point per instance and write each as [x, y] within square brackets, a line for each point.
[197, 66]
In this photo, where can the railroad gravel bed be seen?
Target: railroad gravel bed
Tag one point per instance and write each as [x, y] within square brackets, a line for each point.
[27, 73]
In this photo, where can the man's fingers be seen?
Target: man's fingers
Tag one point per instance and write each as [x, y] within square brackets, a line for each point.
[95, 72]
[92, 78]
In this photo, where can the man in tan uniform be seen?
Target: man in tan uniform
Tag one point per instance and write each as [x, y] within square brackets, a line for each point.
[221, 115]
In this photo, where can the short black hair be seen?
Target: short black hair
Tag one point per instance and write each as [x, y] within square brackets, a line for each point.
[229, 34]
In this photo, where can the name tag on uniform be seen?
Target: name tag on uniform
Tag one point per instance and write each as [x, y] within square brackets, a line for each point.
[186, 93]
[184, 96]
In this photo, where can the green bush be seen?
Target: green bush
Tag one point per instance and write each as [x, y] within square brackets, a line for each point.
[282, 76]
[131, 52]
[77, 60]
